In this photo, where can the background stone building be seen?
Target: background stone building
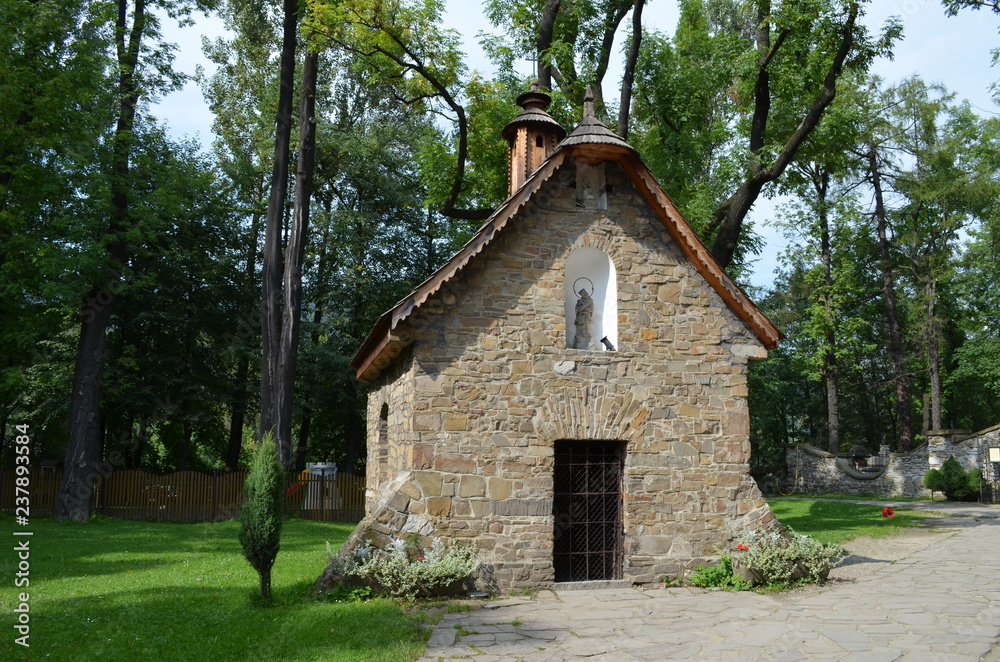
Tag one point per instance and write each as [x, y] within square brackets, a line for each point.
[604, 443]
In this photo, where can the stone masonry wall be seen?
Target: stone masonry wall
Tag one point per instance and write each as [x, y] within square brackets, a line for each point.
[388, 444]
[814, 471]
[495, 388]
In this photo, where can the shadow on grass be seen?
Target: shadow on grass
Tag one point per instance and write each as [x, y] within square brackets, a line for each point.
[117, 590]
[184, 623]
[107, 547]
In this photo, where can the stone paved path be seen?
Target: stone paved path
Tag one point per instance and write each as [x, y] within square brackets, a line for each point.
[942, 604]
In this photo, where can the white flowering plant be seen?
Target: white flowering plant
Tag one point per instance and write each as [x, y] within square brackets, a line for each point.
[405, 571]
[771, 557]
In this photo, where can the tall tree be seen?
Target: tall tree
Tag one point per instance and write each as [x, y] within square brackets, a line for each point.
[573, 41]
[53, 64]
[403, 42]
[901, 377]
[273, 388]
[772, 150]
[294, 255]
[628, 78]
[242, 92]
[134, 24]
[945, 187]
[772, 70]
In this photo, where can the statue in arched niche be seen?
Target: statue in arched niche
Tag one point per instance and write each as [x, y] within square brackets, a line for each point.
[584, 318]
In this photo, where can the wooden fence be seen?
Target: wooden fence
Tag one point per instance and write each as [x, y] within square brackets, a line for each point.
[189, 496]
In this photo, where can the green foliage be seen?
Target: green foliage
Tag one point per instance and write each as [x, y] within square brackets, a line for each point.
[719, 575]
[780, 558]
[345, 593]
[934, 480]
[684, 116]
[403, 571]
[955, 482]
[263, 512]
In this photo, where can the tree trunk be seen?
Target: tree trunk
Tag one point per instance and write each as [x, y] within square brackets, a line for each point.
[612, 21]
[140, 443]
[727, 219]
[83, 450]
[933, 354]
[186, 445]
[830, 370]
[903, 410]
[546, 25]
[304, 429]
[265, 583]
[625, 105]
[270, 305]
[353, 431]
[238, 415]
[82, 455]
[294, 257]
[240, 395]
[128, 441]
[926, 416]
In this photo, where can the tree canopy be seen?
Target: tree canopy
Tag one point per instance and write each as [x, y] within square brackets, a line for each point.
[134, 265]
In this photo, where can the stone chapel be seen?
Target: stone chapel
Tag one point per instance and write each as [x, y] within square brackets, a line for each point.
[569, 391]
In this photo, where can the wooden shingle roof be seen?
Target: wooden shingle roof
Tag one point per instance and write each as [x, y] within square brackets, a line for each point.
[591, 142]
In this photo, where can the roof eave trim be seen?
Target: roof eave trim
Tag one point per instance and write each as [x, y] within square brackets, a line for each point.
[699, 255]
[378, 339]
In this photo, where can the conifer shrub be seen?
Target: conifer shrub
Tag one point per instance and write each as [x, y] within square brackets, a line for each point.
[953, 481]
[934, 481]
[263, 512]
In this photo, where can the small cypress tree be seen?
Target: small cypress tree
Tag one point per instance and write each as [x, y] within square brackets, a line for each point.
[263, 512]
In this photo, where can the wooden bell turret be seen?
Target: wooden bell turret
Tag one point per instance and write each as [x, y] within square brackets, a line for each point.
[532, 135]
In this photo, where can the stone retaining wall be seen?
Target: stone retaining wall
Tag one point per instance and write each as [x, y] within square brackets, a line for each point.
[814, 471]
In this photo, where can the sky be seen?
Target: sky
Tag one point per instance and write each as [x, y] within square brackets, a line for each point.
[954, 51]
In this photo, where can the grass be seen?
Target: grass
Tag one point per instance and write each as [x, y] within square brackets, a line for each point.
[115, 590]
[867, 497]
[833, 522]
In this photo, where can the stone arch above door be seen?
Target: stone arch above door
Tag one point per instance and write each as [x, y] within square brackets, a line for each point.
[593, 412]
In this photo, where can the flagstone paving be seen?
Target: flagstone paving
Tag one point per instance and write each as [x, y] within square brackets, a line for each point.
[941, 604]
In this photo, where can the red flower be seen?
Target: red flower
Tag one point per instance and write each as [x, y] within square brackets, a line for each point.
[888, 512]
[742, 547]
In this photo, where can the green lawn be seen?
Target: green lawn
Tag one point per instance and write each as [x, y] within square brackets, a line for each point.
[835, 522]
[115, 590]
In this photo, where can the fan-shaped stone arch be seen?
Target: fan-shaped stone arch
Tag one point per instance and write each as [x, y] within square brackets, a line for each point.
[592, 412]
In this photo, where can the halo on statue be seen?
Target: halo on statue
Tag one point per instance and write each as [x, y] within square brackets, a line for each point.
[577, 281]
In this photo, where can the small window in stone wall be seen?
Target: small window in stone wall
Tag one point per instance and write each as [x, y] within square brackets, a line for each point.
[382, 450]
[591, 300]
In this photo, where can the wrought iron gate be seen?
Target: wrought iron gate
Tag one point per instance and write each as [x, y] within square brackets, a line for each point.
[989, 465]
[588, 510]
